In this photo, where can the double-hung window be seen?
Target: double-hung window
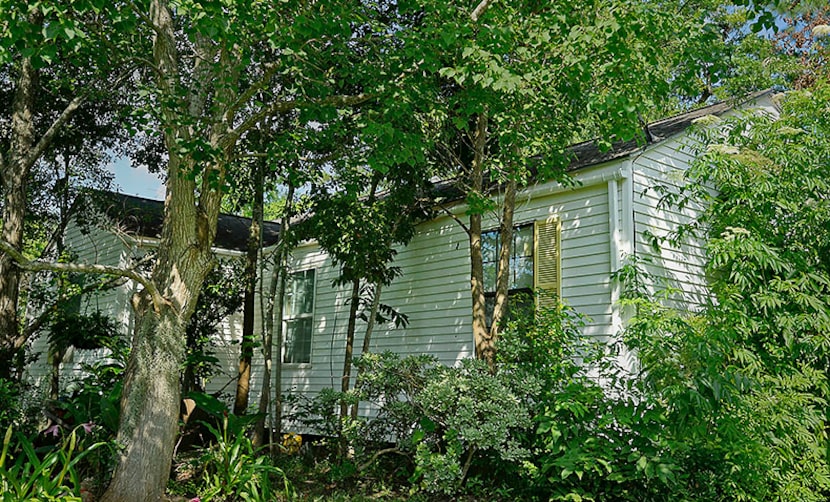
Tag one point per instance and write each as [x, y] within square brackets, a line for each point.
[298, 316]
[534, 264]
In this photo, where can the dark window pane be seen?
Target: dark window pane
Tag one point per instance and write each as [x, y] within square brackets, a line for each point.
[490, 277]
[298, 341]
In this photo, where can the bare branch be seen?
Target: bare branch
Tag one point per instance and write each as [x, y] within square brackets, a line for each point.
[479, 10]
[284, 106]
[251, 90]
[377, 454]
[45, 140]
[454, 217]
[47, 137]
[46, 266]
[144, 17]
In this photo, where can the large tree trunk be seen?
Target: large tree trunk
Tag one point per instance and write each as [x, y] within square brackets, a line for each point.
[150, 408]
[150, 401]
[14, 173]
[151, 398]
[243, 383]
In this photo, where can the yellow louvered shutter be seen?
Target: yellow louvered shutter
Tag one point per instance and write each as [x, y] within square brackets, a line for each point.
[546, 267]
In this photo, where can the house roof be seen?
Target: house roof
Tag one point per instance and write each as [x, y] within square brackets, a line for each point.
[144, 217]
[588, 153]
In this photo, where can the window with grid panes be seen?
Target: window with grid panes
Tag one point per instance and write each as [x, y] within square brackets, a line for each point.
[520, 284]
[298, 316]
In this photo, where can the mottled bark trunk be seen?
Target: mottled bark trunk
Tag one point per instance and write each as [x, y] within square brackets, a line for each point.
[481, 337]
[151, 397]
[243, 383]
[149, 408]
[14, 173]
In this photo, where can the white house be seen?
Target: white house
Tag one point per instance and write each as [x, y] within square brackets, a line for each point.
[580, 233]
[118, 231]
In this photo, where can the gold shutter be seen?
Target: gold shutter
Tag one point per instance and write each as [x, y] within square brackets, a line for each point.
[546, 261]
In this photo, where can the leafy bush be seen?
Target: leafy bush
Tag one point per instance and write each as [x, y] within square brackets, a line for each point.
[10, 411]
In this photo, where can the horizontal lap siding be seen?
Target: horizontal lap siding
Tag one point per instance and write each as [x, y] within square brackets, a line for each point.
[434, 290]
[679, 265]
[96, 246]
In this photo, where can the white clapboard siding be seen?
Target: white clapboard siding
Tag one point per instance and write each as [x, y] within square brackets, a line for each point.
[92, 246]
[434, 290]
[680, 265]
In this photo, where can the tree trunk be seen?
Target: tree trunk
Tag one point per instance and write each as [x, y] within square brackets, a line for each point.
[503, 269]
[483, 343]
[150, 408]
[271, 330]
[14, 173]
[347, 358]
[367, 338]
[243, 383]
[151, 395]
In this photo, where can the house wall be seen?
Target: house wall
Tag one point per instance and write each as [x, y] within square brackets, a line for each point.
[659, 171]
[94, 246]
[105, 247]
[434, 289]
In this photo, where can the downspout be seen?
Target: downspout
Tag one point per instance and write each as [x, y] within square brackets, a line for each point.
[627, 237]
[621, 230]
[614, 248]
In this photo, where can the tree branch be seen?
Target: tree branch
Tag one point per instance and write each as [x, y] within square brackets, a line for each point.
[144, 17]
[251, 90]
[36, 151]
[45, 266]
[45, 140]
[377, 454]
[285, 106]
[479, 10]
[454, 217]
[38, 321]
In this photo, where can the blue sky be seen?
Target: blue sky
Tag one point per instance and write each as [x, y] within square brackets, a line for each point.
[136, 180]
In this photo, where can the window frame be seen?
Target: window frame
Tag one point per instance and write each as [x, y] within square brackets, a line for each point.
[302, 316]
[490, 295]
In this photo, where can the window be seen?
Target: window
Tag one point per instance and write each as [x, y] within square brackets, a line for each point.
[534, 264]
[298, 316]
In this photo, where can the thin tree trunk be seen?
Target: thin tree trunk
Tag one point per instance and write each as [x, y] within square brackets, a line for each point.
[503, 270]
[347, 358]
[483, 343]
[272, 330]
[14, 174]
[367, 338]
[243, 383]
